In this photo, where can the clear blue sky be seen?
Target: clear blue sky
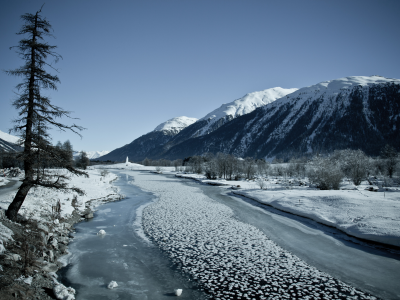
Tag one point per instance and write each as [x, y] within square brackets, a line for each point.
[130, 65]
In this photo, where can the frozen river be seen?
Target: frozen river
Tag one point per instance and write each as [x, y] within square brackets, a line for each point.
[235, 248]
[140, 269]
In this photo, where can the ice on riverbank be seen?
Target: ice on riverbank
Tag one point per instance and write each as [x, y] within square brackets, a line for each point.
[228, 258]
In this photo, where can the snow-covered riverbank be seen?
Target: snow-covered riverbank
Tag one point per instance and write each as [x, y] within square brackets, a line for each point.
[39, 201]
[230, 259]
[364, 214]
[45, 231]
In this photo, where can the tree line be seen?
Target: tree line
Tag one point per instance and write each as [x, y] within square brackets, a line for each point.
[323, 171]
[65, 150]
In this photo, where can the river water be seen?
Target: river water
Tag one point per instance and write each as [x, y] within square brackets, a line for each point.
[142, 271]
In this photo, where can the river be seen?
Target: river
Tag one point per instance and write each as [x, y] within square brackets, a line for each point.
[142, 271]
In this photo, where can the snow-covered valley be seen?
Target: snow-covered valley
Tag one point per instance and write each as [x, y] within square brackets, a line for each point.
[215, 244]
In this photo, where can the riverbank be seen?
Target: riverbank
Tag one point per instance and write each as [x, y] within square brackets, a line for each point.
[30, 248]
[369, 215]
[230, 259]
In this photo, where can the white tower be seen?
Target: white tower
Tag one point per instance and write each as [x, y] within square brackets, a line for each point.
[127, 160]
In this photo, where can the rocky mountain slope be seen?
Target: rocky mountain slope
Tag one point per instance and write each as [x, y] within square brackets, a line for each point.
[355, 112]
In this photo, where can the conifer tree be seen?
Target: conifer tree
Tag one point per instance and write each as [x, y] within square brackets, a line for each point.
[37, 114]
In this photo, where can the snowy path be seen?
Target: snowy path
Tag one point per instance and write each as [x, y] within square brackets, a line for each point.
[231, 259]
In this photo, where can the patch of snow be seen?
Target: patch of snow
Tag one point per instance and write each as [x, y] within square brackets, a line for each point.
[101, 232]
[64, 293]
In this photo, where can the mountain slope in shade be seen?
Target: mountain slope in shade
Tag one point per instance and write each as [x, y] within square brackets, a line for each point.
[145, 145]
[226, 113]
[240, 107]
[357, 112]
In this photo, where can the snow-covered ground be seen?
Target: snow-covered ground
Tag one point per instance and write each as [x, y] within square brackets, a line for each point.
[368, 215]
[230, 259]
[3, 181]
[39, 201]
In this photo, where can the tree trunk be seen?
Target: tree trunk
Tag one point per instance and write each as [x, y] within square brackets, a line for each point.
[23, 190]
[19, 198]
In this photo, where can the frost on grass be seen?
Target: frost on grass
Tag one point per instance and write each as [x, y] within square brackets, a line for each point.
[229, 259]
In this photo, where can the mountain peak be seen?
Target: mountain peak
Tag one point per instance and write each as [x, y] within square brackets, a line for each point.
[349, 82]
[175, 124]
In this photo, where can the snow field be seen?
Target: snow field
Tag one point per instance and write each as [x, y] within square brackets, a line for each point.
[230, 259]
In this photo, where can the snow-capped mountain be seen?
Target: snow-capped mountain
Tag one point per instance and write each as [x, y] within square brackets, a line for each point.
[240, 107]
[146, 145]
[225, 113]
[8, 142]
[91, 154]
[175, 125]
[358, 112]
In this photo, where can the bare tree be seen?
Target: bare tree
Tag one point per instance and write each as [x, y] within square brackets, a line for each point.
[325, 173]
[37, 114]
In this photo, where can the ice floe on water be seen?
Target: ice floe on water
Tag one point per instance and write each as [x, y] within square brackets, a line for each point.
[112, 285]
[229, 259]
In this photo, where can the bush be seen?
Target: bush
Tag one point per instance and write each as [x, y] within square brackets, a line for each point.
[103, 172]
[325, 173]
